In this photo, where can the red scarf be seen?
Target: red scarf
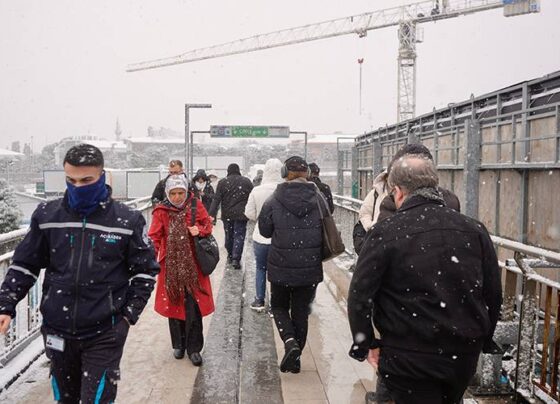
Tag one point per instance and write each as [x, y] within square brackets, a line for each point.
[180, 261]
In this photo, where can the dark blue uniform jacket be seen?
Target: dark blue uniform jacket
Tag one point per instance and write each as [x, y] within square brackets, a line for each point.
[99, 268]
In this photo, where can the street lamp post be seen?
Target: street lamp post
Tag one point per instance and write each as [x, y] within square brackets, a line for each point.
[188, 168]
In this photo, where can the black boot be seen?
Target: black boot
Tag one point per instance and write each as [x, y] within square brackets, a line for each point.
[196, 359]
[179, 353]
[291, 357]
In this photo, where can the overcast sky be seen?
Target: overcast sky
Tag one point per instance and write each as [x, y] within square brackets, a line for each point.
[62, 65]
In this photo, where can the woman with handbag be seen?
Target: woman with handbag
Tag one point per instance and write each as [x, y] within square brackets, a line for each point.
[183, 292]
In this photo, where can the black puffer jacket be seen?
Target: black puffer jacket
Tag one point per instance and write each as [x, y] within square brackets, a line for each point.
[325, 190]
[232, 194]
[432, 277]
[291, 217]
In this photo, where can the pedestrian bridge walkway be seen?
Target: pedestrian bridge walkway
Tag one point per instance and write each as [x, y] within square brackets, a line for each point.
[241, 354]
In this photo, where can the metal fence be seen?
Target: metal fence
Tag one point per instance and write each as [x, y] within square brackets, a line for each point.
[529, 329]
[27, 323]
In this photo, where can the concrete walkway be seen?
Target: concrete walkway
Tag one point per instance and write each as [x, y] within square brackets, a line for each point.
[241, 355]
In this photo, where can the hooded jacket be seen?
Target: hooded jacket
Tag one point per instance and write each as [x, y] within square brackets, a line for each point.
[369, 213]
[433, 280]
[232, 194]
[292, 219]
[258, 196]
[99, 268]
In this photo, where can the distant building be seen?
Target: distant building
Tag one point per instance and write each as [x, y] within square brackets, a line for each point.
[108, 147]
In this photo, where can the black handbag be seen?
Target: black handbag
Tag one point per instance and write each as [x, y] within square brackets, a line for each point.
[206, 248]
[359, 233]
[332, 240]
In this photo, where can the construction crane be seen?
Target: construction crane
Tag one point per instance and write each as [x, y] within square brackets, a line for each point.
[406, 17]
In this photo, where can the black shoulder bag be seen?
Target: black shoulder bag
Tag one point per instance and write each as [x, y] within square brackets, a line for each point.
[332, 241]
[207, 250]
[359, 233]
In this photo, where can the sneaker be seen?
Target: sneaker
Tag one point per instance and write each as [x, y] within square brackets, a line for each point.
[291, 357]
[179, 353]
[235, 264]
[258, 305]
[196, 359]
[228, 259]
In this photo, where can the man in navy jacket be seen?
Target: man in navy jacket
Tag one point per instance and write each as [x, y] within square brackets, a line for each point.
[100, 272]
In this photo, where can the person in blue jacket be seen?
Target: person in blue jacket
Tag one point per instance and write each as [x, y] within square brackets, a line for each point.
[100, 270]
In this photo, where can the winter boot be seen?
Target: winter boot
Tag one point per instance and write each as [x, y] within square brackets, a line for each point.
[291, 356]
[179, 353]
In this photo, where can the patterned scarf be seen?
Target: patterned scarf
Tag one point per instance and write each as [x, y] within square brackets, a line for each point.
[180, 261]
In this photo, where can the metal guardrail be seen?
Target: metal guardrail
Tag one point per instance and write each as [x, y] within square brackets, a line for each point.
[530, 321]
[27, 323]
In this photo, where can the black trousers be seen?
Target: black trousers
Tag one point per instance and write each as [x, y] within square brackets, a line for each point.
[422, 378]
[291, 307]
[87, 371]
[187, 334]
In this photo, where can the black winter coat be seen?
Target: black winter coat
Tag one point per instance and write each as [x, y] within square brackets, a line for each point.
[326, 191]
[99, 268]
[207, 194]
[433, 280]
[291, 218]
[232, 194]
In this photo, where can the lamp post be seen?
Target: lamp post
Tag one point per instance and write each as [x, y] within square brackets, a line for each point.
[188, 168]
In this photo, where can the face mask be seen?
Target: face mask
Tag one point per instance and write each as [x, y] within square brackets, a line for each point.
[85, 200]
[200, 185]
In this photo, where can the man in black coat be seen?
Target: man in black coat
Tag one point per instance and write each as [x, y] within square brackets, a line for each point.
[232, 194]
[314, 171]
[292, 219]
[175, 168]
[100, 270]
[432, 278]
[387, 206]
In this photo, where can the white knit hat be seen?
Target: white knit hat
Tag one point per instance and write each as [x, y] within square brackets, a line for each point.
[174, 182]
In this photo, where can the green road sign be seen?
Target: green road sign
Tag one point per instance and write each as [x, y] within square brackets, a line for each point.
[249, 131]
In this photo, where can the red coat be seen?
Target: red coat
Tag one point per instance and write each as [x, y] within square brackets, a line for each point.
[159, 230]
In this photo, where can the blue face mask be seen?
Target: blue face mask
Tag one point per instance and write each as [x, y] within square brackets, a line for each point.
[86, 199]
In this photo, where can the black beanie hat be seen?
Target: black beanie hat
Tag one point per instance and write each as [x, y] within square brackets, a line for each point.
[296, 163]
[314, 168]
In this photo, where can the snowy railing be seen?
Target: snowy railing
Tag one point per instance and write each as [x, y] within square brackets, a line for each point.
[529, 328]
[27, 323]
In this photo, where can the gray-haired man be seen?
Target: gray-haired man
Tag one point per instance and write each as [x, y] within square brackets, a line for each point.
[432, 278]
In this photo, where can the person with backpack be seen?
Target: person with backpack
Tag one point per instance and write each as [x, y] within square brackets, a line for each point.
[183, 292]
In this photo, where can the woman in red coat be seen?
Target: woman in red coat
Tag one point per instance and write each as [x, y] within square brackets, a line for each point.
[183, 293]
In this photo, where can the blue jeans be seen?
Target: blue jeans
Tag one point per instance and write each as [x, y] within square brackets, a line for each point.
[235, 237]
[261, 256]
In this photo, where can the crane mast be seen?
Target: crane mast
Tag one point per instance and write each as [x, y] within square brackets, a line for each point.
[406, 17]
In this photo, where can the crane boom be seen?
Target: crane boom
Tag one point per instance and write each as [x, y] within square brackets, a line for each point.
[357, 24]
